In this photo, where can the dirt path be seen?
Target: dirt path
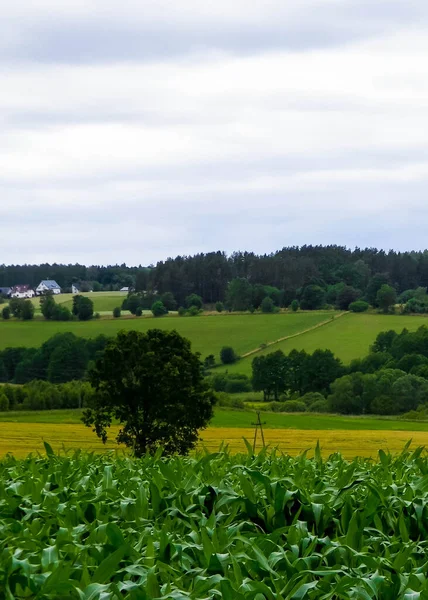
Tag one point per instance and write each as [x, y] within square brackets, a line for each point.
[288, 337]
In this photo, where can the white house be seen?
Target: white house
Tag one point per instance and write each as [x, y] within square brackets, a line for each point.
[48, 285]
[22, 291]
[75, 289]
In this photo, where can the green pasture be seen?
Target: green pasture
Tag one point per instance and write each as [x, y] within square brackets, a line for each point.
[208, 334]
[243, 419]
[349, 337]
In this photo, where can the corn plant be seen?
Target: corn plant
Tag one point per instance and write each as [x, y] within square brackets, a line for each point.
[214, 526]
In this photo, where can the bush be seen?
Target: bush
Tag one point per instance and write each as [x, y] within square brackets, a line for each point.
[312, 397]
[194, 300]
[226, 401]
[5, 313]
[158, 309]
[27, 312]
[181, 311]
[320, 406]
[61, 313]
[4, 402]
[219, 306]
[293, 406]
[237, 386]
[227, 355]
[295, 305]
[139, 311]
[193, 311]
[275, 406]
[267, 305]
[116, 312]
[359, 306]
[83, 308]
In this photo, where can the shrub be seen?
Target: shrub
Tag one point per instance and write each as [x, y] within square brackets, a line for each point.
[359, 306]
[158, 309]
[4, 402]
[27, 313]
[97, 315]
[236, 386]
[226, 401]
[139, 311]
[5, 313]
[276, 406]
[295, 305]
[227, 355]
[267, 305]
[194, 300]
[320, 406]
[193, 311]
[219, 306]
[312, 397]
[61, 313]
[293, 406]
[116, 312]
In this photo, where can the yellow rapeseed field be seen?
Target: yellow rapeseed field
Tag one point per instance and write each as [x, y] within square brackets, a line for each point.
[20, 439]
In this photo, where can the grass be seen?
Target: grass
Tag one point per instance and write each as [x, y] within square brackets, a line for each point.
[208, 334]
[348, 337]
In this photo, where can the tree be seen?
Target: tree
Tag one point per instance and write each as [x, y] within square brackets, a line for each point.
[132, 303]
[313, 297]
[346, 296]
[219, 306]
[386, 297]
[239, 294]
[295, 305]
[116, 312]
[47, 306]
[227, 355]
[139, 311]
[83, 308]
[152, 383]
[270, 374]
[194, 300]
[5, 313]
[158, 309]
[61, 313]
[374, 285]
[267, 305]
[168, 301]
[27, 311]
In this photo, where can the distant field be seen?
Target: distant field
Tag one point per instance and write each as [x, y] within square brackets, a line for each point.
[22, 433]
[208, 334]
[103, 301]
[348, 337]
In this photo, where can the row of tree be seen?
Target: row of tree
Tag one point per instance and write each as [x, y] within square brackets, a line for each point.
[82, 309]
[392, 379]
[42, 395]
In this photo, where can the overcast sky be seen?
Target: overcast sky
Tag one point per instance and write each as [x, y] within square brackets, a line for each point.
[136, 130]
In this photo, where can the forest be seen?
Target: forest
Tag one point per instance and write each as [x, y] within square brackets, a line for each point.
[289, 270]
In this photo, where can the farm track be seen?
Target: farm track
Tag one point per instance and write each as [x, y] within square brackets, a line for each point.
[294, 335]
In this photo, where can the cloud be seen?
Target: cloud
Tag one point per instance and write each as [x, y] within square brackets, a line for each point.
[137, 131]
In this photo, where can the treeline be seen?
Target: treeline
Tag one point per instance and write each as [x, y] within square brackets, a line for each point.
[289, 270]
[64, 357]
[42, 395]
[391, 380]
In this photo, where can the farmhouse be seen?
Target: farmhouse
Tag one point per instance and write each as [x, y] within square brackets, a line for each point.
[48, 285]
[75, 289]
[22, 291]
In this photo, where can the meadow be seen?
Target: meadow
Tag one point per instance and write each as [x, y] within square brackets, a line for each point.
[214, 525]
[208, 334]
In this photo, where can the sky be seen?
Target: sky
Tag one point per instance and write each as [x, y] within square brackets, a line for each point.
[133, 131]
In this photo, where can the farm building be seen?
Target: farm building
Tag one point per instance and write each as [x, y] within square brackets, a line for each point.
[48, 285]
[22, 291]
[75, 289]
[5, 291]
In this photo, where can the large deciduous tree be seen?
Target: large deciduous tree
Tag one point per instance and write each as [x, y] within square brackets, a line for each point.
[152, 383]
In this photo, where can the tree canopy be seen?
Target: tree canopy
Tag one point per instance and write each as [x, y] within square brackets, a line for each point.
[152, 383]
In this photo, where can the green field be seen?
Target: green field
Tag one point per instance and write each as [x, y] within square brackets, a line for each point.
[224, 418]
[348, 337]
[103, 301]
[208, 334]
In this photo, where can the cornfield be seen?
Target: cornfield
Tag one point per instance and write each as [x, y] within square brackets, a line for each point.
[215, 525]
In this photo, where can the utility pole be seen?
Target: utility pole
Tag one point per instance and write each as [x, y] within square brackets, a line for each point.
[258, 424]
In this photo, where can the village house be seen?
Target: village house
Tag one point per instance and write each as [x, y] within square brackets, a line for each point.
[75, 288]
[48, 286]
[5, 291]
[22, 291]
